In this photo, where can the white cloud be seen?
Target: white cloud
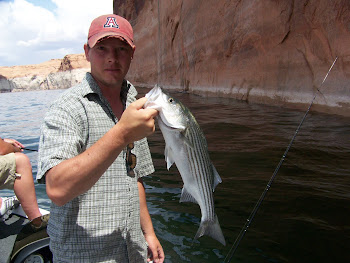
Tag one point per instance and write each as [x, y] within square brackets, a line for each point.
[31, 34]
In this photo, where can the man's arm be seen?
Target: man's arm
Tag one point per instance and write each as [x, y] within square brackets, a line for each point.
[154, 246]
[77, 175]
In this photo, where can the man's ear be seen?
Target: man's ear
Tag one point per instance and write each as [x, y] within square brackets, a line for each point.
[86, 49]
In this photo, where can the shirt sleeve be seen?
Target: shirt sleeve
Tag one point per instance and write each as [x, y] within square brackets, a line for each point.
[60, 138]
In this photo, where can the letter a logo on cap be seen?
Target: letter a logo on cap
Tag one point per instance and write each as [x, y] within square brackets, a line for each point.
[111, 22]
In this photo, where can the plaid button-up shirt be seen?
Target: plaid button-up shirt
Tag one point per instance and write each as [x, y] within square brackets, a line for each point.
[103, 224]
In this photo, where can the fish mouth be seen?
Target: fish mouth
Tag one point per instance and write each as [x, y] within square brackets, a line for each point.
[156, 91]
[168, 126]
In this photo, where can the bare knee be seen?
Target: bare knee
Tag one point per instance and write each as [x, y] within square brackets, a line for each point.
[22, 161]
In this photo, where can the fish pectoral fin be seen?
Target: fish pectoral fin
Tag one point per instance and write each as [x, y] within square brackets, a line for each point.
[185, 139]
[187, 197]
[216, 178]
[168, 153]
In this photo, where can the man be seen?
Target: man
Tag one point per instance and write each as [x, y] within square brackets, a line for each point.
[93, 153]
[16, 174]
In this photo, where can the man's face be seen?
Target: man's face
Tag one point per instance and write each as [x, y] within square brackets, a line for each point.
[110, 61]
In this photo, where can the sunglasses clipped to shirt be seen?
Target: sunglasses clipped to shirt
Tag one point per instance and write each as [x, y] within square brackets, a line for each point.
[130, 159]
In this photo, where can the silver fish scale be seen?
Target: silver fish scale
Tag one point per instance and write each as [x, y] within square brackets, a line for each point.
[201, 165]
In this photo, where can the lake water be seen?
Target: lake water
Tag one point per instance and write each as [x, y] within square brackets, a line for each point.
[305, 216]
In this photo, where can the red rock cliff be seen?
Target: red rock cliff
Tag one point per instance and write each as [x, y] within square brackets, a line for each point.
[273, 51]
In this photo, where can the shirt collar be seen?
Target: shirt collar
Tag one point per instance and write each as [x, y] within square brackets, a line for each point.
[91, 87]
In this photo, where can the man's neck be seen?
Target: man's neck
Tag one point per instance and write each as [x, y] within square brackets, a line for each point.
[112, 95]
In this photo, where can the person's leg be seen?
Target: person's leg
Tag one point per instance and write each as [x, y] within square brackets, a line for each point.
[24, 186]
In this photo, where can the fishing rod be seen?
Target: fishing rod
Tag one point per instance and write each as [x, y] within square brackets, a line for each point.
[32, 150]
[257, 205]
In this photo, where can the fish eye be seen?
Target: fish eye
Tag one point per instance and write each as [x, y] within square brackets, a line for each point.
[171, 100]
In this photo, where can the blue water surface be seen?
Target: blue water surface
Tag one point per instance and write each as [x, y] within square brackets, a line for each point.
[305, 216]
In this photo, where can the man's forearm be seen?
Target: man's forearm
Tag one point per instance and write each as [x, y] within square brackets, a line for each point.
[146, 222]
[156, 253]
[77, 175]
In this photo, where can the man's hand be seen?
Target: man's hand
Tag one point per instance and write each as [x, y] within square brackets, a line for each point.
[155, 250]
[136, 122]
[16, 144]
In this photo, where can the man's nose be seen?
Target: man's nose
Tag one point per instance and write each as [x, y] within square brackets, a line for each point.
[113, 55]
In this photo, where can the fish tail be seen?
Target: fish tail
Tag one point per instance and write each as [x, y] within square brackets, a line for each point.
[212, 229]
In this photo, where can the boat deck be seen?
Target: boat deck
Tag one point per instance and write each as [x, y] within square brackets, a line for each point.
[9, 229]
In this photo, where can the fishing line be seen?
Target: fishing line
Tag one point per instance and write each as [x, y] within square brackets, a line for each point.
[257, 205]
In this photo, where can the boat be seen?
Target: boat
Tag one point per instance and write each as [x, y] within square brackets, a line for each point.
[18, 246]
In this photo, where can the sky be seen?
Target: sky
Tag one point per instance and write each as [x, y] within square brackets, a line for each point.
[35, 31]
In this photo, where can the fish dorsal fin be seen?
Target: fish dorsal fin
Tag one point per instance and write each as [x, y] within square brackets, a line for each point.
[216, 177]
[187, 197]
[169, 158]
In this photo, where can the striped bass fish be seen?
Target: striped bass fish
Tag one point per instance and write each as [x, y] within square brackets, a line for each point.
[186, 146]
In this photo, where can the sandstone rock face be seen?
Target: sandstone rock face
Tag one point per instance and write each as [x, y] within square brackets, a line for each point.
[53, 74]
[76, 61]
[273, 52]
[54, 80]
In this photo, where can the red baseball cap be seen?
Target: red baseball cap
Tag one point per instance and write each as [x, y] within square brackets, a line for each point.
[110, 26]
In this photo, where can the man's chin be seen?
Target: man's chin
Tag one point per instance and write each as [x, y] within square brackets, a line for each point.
[109, 82]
